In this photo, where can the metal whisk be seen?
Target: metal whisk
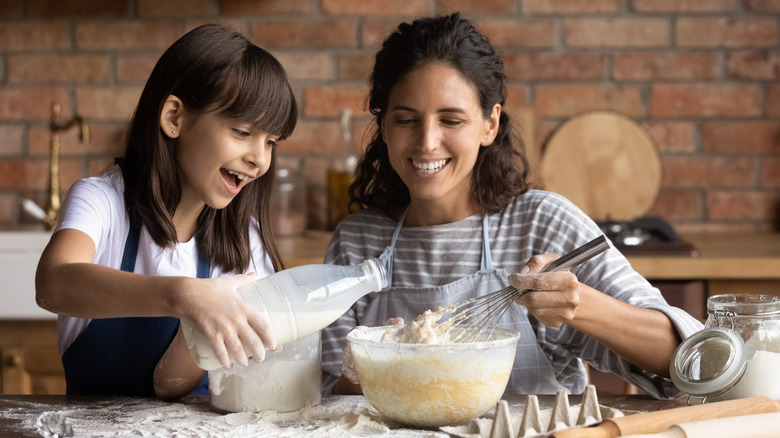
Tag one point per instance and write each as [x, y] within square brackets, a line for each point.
[481, 314]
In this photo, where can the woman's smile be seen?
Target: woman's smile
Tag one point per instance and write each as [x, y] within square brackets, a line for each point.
[429, 167]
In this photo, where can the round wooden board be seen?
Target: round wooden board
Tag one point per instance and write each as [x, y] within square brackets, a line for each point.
[605, 163]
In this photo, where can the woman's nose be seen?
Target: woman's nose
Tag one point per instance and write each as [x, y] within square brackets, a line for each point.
[430, 136]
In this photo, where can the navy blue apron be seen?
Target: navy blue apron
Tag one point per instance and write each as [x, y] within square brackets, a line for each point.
[117, 356]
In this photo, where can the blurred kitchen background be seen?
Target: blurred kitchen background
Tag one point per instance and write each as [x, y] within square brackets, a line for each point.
[701, 76]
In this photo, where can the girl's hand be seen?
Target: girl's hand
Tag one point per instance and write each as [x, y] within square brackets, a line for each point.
[233, 328]
[554, 296]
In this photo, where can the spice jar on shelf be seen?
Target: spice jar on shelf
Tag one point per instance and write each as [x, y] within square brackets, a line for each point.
[736, 355]
[288, 202]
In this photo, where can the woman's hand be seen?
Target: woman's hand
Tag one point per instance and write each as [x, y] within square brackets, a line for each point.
[233, 328]
[554, 297]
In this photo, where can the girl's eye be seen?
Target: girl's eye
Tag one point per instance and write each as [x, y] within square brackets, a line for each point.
[241, 132]
[271, 143]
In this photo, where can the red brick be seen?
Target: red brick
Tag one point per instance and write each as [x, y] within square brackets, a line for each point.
[665, 65]
[762, 5]
[536, 66]
[234, 24]
[135, 69]
[616, 32]
[33, 174]
[706, 99]
[708, 171]
[79, 69]
[264, 7]
[329, 101]
[675, 205]
[376, 7]
[567, 100]
[305, 33]
[99, 166]
[773, 104]
[355, 66]
[76, 8]
[116, 104]
[9, 205]
[32, 103]
[34, 36]
[742, 204]
[104, 139]
[673, 136]
[754, 64]
[515, 95]
[471, 7]
[125, 35]
[686, 5]
[570, 6]
[10, 140]
[313, 138]
[770, 172]
[760, 136]
[519, 32]
[10, 8]
[374, 31]
[727, 32]
[176, 8]
[299, 65]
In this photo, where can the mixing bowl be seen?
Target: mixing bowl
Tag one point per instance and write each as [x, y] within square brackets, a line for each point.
[432, 385]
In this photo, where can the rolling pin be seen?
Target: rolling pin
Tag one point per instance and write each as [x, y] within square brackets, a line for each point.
[744, 426]
[659, 421]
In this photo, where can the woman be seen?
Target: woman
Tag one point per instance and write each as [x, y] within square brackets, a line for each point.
[453, 217]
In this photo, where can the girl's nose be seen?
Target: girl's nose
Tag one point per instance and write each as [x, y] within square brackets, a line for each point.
[259, 156]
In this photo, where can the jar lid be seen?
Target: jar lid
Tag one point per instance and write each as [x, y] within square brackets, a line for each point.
[710, 362]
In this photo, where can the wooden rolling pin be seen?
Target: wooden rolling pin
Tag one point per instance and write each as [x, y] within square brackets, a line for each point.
[659, 421]
[744, 426]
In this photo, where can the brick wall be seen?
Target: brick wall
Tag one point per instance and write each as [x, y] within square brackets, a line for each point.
[700, 75]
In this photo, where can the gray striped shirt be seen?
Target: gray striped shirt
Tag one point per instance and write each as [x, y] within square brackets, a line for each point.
[533, 223]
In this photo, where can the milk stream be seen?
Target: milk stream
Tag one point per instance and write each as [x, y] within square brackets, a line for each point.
[298, 302]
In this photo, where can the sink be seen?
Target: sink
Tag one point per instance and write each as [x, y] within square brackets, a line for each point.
[19, 254]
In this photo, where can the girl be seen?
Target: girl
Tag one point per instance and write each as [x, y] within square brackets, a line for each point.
[452, 217]
[189, 199]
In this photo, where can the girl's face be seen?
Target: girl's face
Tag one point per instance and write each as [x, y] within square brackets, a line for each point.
[217, 157]
[433, 129]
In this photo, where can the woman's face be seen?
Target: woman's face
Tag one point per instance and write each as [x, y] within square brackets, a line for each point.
[434, 128]
[218, 156]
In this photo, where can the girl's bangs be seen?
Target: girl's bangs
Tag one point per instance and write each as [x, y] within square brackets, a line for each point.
[258, 92]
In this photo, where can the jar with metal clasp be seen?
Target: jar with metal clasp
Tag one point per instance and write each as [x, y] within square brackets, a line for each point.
[736, 355]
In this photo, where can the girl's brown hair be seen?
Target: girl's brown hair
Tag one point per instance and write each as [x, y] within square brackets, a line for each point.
[453, 41]
[210, 69]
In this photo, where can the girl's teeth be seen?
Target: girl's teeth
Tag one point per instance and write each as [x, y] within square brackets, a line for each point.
[240, 176]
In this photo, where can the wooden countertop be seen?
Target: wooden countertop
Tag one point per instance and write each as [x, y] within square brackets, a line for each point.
[26, 415]
[721, 256]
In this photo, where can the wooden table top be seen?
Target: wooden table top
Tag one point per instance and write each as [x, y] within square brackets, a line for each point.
[26, 415]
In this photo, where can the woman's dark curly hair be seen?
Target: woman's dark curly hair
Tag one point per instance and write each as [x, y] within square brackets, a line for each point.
[501, 170]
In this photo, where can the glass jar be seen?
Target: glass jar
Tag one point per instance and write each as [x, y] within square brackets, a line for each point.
[288, 202]
[737, 355]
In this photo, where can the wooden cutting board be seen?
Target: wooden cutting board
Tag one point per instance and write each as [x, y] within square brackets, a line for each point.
[605, 163]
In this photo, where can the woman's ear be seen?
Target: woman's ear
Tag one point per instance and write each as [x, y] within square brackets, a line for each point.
[491, 126]
[171, 116]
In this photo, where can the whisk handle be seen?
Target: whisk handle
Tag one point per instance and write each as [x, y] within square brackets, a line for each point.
[579, 255]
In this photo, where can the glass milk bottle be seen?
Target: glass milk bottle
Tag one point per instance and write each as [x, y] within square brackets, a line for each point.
[298, 301]
[737, 355]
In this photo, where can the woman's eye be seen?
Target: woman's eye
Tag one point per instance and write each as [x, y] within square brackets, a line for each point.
[404, 122]
[451, 122]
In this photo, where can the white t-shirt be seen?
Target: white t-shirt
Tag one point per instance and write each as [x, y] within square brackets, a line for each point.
[96, 207]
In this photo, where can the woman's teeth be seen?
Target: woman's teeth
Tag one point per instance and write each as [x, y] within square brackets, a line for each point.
[429, 166]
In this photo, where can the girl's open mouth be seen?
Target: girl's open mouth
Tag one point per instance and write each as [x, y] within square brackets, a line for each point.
[233, 180]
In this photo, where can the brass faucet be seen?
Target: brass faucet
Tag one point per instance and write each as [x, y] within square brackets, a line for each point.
[50, 214]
